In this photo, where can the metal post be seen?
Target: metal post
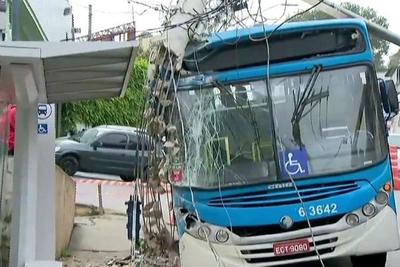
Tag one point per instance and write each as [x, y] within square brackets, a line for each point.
[133, 12]
[16, 16]
[90, 23]
[59, 128]
[73, 28]
[101, 209]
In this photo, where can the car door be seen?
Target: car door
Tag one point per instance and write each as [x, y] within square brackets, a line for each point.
[109, 155]
[137, 152]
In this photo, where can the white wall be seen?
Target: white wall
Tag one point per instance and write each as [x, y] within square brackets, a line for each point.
[50, 14]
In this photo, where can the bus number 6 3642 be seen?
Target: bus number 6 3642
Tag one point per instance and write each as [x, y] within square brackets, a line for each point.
[318, 210]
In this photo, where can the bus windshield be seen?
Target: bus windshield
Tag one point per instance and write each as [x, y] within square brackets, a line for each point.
[304, 125]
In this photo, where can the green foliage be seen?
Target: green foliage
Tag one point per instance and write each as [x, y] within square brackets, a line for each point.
[394, 60]
[380, 47]
[126, 110]
[65, 254]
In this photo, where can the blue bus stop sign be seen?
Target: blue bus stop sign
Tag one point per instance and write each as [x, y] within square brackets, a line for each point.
[44, 111]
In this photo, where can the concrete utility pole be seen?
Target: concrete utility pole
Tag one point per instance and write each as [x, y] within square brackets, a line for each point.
[90, 23]
[100, 195]
[340, 12]
[177, 38]
[132, 9]
[16, 15]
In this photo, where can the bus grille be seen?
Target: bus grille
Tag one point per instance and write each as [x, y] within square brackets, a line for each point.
[266, 255]
[286, 196]
[247, 231]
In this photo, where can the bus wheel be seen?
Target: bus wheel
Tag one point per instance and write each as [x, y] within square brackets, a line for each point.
[376, 260]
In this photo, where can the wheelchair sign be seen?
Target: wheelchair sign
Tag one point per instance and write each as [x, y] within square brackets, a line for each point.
[293, 163]
[42, 128]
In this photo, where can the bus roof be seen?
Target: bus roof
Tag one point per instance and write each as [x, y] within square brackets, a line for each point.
[292, 41]
[222, 38]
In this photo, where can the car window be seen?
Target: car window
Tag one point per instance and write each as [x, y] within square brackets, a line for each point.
[89, 136]
[133, 143]
[113, 140]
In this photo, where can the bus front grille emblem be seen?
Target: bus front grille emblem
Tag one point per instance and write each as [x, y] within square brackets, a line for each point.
[286, 222]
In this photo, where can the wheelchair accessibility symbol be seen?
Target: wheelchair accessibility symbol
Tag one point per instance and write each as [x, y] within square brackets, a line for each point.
[42, 128]
[293, 163]
[292, 166]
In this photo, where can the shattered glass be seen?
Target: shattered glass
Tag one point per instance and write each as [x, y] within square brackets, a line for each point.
[229, 137]
[227, 134]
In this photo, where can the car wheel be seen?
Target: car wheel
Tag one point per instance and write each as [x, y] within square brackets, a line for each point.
[69, 164]
[376, 260]
[127, 178]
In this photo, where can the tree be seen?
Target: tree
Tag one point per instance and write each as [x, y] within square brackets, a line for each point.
[394, 60]
[313, 14]
[126, 110]
[380, 47]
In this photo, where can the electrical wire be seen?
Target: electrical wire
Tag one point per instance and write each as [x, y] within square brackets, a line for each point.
[266, 38]
[154, 7]
[284, 22]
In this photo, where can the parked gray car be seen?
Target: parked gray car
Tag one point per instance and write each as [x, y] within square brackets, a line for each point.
[107, 149]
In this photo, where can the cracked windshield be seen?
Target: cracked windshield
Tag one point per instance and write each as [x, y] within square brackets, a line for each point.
[326, 119]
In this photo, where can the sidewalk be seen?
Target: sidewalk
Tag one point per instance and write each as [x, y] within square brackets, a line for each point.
[96, 240]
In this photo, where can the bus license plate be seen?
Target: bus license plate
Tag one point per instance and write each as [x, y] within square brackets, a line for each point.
[291, 247]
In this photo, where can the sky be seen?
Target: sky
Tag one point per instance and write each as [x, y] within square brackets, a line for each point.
[107, 14]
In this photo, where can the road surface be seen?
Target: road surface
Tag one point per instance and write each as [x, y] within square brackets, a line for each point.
[114, 197]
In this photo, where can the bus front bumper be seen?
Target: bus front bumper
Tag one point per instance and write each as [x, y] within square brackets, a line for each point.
[378, 234]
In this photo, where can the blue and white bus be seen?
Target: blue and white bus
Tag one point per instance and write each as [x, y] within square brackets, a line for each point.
[284, 157]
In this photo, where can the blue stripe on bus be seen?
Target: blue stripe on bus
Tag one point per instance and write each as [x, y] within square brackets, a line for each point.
[369, 180]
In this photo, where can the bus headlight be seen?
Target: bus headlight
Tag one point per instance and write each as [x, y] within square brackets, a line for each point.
[382, 198]
[207, 232]
[222, 236]
[352, 219]
[369, 209]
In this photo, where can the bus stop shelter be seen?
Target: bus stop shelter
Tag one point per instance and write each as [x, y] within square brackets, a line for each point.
[33, 73]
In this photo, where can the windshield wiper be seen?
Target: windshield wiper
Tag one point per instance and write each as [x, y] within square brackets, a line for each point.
[300, 102]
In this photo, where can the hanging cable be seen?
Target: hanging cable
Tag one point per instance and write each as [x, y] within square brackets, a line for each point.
[266, 38]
